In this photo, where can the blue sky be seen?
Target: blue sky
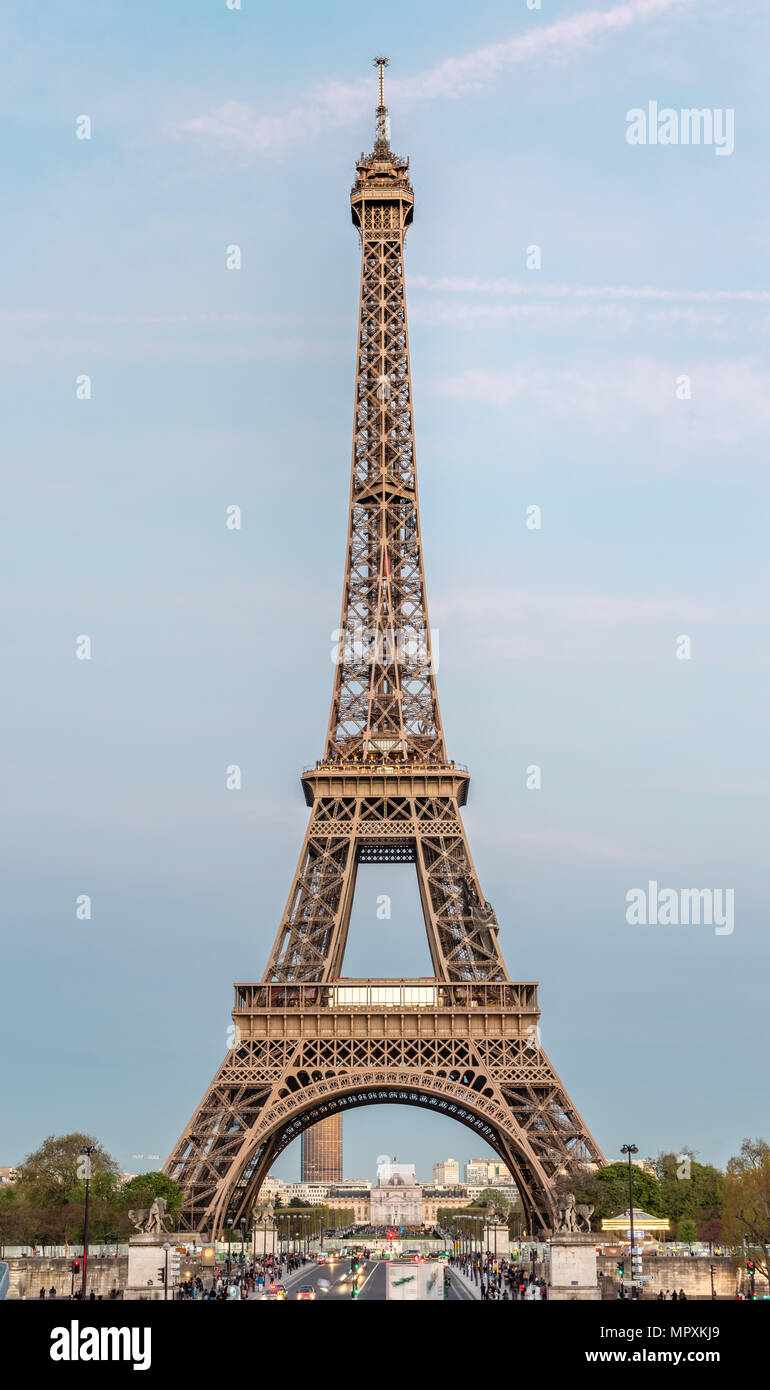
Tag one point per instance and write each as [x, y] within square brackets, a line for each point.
[553, 387]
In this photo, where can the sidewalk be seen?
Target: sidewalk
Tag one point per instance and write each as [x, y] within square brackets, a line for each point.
[469, 1289]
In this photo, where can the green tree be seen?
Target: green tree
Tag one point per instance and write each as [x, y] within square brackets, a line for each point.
[12, 1218]
[747, 1201]
[142, 1190]
[52, 1174]
[490, 1197]
[687, 1231]
[689, 1191]
[606, 1190]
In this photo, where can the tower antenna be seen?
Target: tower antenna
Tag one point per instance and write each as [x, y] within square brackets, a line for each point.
[383, 124]
[382, 64]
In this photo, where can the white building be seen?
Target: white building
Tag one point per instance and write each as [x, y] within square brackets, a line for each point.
[477, 1172]
[447, 1173]
[486, 1172]
[305, 1191]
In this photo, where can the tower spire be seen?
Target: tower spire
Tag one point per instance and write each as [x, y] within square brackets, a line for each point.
[383, 121]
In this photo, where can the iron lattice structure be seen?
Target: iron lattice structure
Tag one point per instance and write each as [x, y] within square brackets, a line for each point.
[465, 1043]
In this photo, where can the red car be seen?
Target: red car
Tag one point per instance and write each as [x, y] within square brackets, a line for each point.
[306, 1292]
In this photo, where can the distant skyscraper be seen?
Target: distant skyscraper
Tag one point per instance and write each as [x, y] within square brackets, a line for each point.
[446, 1174]
[321, 1148]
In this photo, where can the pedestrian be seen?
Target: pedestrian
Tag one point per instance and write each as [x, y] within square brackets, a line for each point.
[52, 1292]
[674, 1295]
[42, 1293]
[682, 1294]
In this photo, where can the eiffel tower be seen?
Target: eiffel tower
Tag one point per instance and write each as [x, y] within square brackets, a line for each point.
[309, 1045]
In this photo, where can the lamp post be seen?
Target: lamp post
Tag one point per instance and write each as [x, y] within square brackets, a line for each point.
[630, 1149]
[166, 1248]
[85, 1154]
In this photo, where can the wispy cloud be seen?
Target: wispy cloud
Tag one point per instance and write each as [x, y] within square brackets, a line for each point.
[618, 317]
[332, 105]
[730, 399]
[456, 284]
[491, 622]
[469, 301]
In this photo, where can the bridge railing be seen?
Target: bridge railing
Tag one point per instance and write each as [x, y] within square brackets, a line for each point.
[389, 994]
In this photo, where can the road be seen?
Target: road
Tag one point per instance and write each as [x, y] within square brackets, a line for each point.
[333, 1282]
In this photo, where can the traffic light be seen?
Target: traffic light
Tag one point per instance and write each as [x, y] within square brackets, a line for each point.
[161, 1275]
[621, 1269]
[75, 1266]
[750, 1266]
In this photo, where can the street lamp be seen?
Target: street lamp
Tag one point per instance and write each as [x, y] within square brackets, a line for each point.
[631, 1149]
[166, 1248]
[84, 1170]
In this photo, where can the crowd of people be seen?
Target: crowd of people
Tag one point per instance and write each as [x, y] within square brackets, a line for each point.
[500, 1279]
[243, 1280]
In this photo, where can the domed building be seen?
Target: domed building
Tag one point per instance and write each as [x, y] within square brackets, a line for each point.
[397, 1198]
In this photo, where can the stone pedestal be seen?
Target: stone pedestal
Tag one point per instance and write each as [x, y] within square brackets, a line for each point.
[572, 1267]
[498, 1241]
[146, 1257]
[265, 1242]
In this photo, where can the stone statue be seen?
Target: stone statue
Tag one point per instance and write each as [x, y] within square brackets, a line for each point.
[584, 1213]
[151, 1220]
[565, 1212]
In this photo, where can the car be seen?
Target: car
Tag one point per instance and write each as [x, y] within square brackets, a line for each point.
[306, 1291]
